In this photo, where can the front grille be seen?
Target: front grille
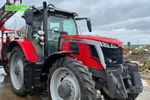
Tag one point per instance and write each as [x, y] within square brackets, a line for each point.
[112, 55]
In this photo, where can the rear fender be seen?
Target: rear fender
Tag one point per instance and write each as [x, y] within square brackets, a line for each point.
[26, 47]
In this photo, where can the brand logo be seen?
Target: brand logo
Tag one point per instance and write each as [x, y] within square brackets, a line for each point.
[15, 7]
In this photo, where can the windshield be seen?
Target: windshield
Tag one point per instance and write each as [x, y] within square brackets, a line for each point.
[57, 26]
[61, 24]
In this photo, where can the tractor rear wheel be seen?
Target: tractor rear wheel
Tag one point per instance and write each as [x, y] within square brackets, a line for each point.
[70, 80]
[17, 63]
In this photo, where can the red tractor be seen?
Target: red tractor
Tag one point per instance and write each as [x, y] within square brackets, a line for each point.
[53, 57]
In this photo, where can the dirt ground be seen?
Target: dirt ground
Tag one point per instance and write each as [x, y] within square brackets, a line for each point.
[7, 94]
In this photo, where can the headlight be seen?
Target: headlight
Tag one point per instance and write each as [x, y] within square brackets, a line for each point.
[114, 46]
[105, 44]
[109, 45]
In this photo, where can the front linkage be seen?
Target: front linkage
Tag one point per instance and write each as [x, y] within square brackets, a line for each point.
[123, 81]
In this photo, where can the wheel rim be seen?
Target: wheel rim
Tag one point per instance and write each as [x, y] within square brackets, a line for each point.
[16, 71]
[65, 76]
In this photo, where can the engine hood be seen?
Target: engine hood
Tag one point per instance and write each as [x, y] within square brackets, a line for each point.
[96, 38]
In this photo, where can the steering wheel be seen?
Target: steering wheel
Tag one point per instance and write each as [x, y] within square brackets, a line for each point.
[54, 29]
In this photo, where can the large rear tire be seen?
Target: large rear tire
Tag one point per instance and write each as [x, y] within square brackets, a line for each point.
[17, 63]
[70, 80]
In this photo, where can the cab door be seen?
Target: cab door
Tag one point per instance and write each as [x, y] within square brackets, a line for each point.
[53, 36]
[32, 35]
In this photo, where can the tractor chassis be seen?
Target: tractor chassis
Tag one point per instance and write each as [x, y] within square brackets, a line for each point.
[32, 77]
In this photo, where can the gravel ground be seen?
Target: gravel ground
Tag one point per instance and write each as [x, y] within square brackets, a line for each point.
[145, 95]
[7, 94]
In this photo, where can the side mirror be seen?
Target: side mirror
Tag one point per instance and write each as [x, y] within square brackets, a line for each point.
[40, 32]
[89, 25]
[28, 15]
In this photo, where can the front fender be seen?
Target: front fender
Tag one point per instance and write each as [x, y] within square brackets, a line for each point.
[26, 47]
[50, 60]
[53, 57]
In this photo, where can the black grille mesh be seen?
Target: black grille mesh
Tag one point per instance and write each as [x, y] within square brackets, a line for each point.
[112, 55]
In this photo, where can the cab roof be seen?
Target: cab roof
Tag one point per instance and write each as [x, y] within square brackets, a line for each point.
[54, 9]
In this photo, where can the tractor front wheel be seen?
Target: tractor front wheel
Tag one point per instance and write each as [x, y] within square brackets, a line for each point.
[70, 80]
[17, 63]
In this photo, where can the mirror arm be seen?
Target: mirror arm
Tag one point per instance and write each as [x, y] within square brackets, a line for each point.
[82, 18]
[36, 9]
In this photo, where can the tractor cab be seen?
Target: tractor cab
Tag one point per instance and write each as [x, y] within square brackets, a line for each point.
[53, 23]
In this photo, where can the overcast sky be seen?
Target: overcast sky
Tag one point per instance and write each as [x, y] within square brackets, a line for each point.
[126, 20]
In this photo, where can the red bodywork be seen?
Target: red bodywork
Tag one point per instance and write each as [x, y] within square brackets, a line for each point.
[27, 49]
[96, 38]
[84, 53]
